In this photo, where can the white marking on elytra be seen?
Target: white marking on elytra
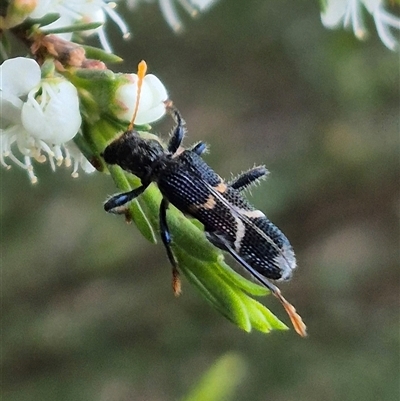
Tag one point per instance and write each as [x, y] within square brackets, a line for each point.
[240, 233]
[252, 214]
[286, 261]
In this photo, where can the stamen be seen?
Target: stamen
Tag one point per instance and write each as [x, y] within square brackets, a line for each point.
[4, 153]
[46, 94]
[142, 69]
[40, 158]
[109, 9]
[29, 168]
[46, 148]
[189, 8]
[33, 101]
[17, 161]
[357, 22]
[168, 9]
[347, 16]
[383, 30]
[51, 161]
[2, 162]
[388, 18]
[58, 155]
[103, 40]
[67, 158]
[74, 173]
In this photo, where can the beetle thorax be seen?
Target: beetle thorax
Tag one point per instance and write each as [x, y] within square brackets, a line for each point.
[134, 154]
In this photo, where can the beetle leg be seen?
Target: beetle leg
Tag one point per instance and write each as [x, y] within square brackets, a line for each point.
[166, 239]
[179, 130]
[249, 177]
[199, 148]
[119, 200]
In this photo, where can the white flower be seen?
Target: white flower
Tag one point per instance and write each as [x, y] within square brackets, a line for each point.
[86, 11]
[151, 104]
[168, 9]
[37, 116]
[73, 156]
[51, 113]
[350, 13]
[383, 21]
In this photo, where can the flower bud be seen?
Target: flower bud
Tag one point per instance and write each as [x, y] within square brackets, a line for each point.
[17, 12]
[151, 104]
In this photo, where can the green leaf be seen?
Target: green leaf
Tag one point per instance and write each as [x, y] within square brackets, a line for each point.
[226, 298]
[5, 47]
[73, 28]
[241, 282]
[220, 381]
[100, 54]
[45, 20]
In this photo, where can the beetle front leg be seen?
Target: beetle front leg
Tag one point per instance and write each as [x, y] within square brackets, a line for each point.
[116, 201]
[166, 239]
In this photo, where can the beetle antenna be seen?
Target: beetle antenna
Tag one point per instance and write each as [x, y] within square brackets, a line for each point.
[142, 69]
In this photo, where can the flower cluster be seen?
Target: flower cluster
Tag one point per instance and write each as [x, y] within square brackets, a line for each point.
[86, 11]
[39, 117]
[349, 13]
[193, 7]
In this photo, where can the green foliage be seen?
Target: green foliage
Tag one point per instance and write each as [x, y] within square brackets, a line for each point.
[220, 381]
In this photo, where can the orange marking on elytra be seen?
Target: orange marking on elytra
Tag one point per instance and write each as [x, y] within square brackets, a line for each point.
[221, 187]
[142, 69]
[210, 203]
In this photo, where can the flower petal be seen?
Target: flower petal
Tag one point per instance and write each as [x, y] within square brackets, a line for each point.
[56, 119]
[10, 111]
[152, 97]
[157, 88]
[18, 76]
[150, 115]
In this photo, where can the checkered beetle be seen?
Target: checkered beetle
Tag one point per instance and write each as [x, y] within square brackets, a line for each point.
[187, 182]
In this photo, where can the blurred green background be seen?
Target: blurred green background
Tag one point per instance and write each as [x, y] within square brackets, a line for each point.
[87, 307]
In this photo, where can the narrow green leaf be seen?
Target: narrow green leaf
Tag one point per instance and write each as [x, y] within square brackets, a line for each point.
[257, 317]
[96, 53]
[275, 323]
[73, 28]
[45, 20]
[236, 279]
[226, 296]
[5, 46]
